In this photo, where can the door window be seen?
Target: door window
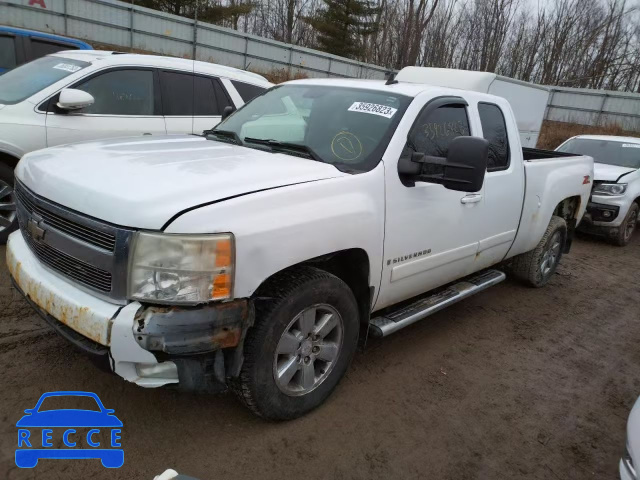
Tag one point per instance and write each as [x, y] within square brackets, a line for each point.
[247, 91]
[205, 98]
[222, 98]
[120, 92]
[434, 129]
[177, 93]
[7, 52]
[494, 129]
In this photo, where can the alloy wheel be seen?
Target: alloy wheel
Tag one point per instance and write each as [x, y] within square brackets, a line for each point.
[551, 255]
[7, 206]
[630, 227]
[308, 350]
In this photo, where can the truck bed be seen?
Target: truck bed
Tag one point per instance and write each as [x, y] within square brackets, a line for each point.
[547, 183]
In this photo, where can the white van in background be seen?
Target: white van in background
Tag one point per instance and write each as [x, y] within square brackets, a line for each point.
[72, 96]
[614, 206]
[528, 100]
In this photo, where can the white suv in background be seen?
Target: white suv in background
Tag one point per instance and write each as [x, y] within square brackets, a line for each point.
[615, 199]
[72, 96]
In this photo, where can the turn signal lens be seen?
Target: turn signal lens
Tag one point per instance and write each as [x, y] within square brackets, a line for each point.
[221, 287]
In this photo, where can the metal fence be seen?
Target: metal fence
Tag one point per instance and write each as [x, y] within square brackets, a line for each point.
[132, 27]
[129, 26]
[594, 107]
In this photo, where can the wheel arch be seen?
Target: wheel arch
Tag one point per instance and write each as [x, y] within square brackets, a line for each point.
[8, 159]
[569, 210]
[353, 267]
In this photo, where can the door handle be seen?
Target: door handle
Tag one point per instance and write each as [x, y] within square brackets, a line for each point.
[475, 198]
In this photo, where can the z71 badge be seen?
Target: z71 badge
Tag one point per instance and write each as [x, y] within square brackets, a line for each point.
[408, 257]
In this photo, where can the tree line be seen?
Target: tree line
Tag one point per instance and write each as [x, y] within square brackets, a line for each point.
[575, 43]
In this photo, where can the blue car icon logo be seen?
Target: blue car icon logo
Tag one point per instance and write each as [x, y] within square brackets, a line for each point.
[85, 433]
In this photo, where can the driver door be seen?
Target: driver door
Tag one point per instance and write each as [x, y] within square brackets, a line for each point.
[432, 233]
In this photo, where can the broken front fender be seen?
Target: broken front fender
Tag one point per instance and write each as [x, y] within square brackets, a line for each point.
[188, 331]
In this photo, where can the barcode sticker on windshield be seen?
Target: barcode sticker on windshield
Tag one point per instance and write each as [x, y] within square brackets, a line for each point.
[373, 108]
[68, 67]
[631, 145]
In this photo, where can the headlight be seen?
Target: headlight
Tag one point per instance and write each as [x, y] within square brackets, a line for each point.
[610, 189]
[187, 269]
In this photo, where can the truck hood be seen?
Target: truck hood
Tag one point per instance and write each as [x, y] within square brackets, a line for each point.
[144, 182]
[610, 173]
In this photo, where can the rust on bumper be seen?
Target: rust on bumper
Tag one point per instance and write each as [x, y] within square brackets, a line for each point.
[79, 318]
[194, 330]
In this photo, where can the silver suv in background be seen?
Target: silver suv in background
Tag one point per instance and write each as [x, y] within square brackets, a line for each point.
[615, 199]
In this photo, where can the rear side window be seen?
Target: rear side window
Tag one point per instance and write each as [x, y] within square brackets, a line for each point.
[177, 93]
[205, 97]
[40, 48]
[222, 98]
[7, 52]
[120, 92]
[494, 129]
[434, 130]
[247, 91]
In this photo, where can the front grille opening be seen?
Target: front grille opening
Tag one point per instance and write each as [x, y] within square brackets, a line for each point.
[71, 267]
[87, 234]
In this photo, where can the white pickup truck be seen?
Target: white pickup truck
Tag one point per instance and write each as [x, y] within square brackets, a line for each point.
[258, 255]
[614, 208]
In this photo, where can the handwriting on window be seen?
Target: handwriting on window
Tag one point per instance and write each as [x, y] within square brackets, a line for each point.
[435, 130]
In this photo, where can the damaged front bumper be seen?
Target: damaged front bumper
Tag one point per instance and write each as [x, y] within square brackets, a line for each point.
[195, 348]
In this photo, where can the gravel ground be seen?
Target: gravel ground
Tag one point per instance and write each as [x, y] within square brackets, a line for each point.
[512, 383]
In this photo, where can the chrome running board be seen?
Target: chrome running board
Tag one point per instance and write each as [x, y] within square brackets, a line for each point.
[393, 321]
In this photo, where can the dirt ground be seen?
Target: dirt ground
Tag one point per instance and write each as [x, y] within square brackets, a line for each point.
[512, 383]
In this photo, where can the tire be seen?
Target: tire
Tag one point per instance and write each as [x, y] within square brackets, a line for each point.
[628, 226]
[529, 268]
[282, 304]
[8, 217]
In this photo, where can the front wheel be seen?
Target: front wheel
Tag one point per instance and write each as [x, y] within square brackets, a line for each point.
[8, 217]
[625, 232]
[536, 267]
[302, 343]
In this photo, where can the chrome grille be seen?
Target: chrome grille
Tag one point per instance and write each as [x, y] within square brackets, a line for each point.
[91, 253]
[87, 234]
[71, 267]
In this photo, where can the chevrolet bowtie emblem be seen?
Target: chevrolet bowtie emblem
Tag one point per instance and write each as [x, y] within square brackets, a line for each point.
[35, 229]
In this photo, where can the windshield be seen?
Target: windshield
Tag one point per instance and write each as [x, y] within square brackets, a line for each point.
[68, 402]
[22, 82]
[346, 127]
[609, 152]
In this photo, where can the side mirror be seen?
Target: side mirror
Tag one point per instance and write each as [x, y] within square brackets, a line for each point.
[72, 99]
[228, 110]
[463, 169]
[466, 164]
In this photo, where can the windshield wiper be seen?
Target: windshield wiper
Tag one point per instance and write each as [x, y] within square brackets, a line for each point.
[224, 135]
[278, 146]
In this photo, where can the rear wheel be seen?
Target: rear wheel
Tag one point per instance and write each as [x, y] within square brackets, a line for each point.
[304, 338]
[538, 266]
[625, 232]
[8, 217]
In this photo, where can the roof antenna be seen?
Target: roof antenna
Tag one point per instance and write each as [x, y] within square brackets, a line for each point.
[391, 78]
